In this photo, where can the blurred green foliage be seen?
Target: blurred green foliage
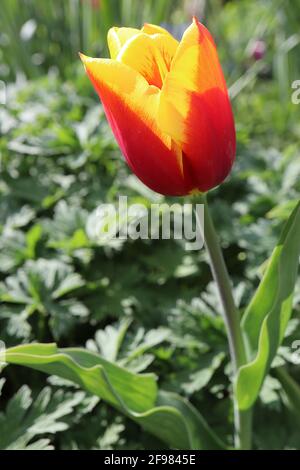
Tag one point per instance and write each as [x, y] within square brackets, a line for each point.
[36, 35]
[149, 305]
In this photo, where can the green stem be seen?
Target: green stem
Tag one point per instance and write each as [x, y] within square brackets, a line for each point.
[243, 420]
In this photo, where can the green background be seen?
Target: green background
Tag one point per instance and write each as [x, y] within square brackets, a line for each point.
[151, 305]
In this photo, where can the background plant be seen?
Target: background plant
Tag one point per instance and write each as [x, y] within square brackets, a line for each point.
[143, 300]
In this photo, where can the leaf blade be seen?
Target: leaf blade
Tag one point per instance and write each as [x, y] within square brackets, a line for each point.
[167, 416]
[268, 314]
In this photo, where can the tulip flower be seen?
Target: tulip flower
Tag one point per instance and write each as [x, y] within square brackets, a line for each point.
[168, 106]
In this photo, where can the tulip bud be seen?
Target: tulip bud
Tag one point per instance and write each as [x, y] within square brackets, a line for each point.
[258, 50]
[168, 106]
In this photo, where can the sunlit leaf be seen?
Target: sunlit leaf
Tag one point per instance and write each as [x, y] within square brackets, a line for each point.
[25, 418]
[268, 314]
[166, 415]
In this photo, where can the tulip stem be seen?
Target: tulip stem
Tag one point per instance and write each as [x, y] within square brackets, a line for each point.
[243, 420]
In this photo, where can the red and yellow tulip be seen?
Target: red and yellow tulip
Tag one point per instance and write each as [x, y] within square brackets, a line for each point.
[168, 106]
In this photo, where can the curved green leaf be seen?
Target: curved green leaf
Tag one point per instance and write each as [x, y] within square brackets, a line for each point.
[268, 314]
[167, 416]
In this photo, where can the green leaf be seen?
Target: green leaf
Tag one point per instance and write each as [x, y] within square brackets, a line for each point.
[116, 344]
[41, 286]
[166, 415]
[268, 314]
[33, 236]
[12, 249]
[66, 230]
[26, 418]
[282, 211]
[199, 379]
[16, 247]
